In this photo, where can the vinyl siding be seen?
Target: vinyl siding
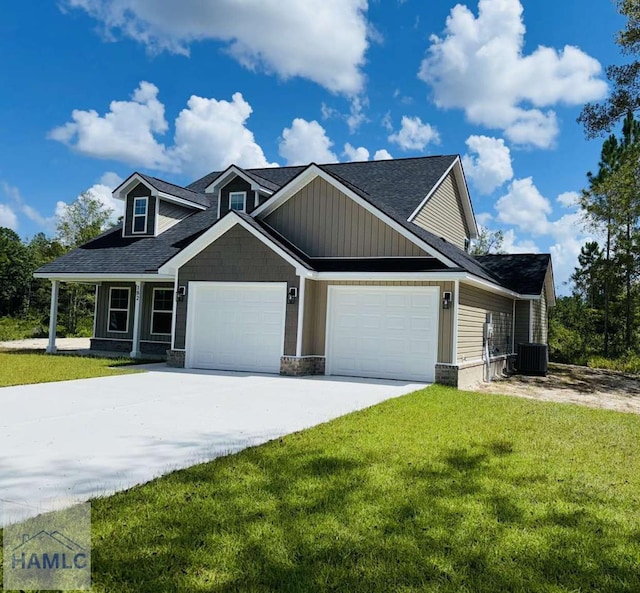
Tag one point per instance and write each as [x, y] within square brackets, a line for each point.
[237, 256]
[443, 214]
[235, 185]
[473, 308]
[324, 222]
[315, 316]
[540, 320]
[139, 191]
[170, 214]
[102, 311]
[522, 322]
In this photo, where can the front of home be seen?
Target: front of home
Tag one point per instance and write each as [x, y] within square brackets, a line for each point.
[353, 269]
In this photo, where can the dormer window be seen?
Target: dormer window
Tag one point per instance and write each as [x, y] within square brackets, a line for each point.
[140, 206]
[238, 201]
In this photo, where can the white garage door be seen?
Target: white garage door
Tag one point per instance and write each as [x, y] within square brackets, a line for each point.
[236, 327]
[387, 332]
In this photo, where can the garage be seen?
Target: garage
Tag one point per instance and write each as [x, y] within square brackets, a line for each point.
[386, 332]
[236, 326]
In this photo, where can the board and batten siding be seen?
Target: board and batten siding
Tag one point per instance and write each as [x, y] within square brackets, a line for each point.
[139, 191]
[474, 305]
[540, 320]
[322, 221]
[102, 312]
[170, 214]
[315, 315]
[237, 256]
[522, 322]
[443, 213]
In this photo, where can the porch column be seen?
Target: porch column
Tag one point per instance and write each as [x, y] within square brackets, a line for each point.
[53, 316]
[137, 320]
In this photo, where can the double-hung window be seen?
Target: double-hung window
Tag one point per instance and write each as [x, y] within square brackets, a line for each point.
[140, 206]
[238, 201]
[162, 311]
[118, 319]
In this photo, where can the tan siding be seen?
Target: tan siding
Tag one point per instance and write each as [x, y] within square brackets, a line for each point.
[474, 306]
[540, 320]
[324, 222]
[522, 322]
[443, 213]
[316, 315]
[170, 214]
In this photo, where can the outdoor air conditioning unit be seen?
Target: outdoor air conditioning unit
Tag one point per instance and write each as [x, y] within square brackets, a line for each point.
[533, 359]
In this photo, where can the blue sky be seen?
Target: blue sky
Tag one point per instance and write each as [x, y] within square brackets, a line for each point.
[95, 89]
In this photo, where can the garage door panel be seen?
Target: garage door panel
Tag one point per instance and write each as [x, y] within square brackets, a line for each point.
[387, 332]
[236, 326]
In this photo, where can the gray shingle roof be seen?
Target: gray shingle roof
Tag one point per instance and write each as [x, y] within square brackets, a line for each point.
[396, 187]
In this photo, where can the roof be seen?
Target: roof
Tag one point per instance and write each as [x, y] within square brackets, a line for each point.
[524, 272]
[395, 187]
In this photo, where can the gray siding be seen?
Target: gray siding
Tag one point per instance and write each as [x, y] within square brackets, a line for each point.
[236, 184]
[443, 213]
[324, 222]
[139, 191]
[522, 322]
[315, 316]
[170, 214]
[102, 312]
[237, 256]
[473, 308]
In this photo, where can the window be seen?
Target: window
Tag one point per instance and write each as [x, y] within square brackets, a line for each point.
[118, 320]
[238, 201]
[140, 215]
[162, 311]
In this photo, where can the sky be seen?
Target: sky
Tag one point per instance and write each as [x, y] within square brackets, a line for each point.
[92, 90]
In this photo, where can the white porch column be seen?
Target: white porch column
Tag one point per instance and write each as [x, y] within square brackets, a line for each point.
[137, 320]
[53, 316]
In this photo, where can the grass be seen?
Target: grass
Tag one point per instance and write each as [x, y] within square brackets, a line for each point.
[26, 367]
[440, 491]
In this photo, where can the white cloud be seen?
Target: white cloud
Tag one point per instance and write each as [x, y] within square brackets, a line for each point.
[569, 199]
[382, 155]
[491, 166]
[8, 217]
[511, 244]
[484, 218]
[126, 133]
[321, 40]
[305, 142]
[14, 195]
[103, 192]
[525, 207]
[479, 65]
[209, 134]
[414, 135]
[356, 115]
[356, 154]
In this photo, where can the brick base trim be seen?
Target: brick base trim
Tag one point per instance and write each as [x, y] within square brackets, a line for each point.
[175, 358]
[305, 365]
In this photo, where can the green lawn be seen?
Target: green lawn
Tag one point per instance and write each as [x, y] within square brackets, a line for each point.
[437, 491]
[23, 368]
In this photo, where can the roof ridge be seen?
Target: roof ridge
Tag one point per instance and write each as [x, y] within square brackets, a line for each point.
[169, 183]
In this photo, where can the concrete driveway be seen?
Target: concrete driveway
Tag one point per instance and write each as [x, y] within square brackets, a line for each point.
[67, 442]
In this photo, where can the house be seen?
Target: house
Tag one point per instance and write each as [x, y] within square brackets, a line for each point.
[357, 269]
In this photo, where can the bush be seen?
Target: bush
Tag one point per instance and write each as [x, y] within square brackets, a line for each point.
[16, 328]
[629, 363]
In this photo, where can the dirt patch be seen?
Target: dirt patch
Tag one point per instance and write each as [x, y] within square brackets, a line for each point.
[577, 385]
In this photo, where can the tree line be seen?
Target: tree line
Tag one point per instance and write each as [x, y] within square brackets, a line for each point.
[25, 300]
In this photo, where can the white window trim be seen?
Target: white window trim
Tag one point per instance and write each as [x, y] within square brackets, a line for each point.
[109, 309]
[134, 215]
[154, 311]
[244, 200]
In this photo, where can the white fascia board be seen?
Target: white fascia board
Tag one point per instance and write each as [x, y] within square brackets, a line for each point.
[177, 200]
[461, 182]
[388, 276]
[479, 283]
[107, 277]
[313, 171]
[215, 232]
[231, 172]
[128, 184]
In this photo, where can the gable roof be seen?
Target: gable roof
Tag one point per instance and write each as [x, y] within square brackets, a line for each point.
[523, 272]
